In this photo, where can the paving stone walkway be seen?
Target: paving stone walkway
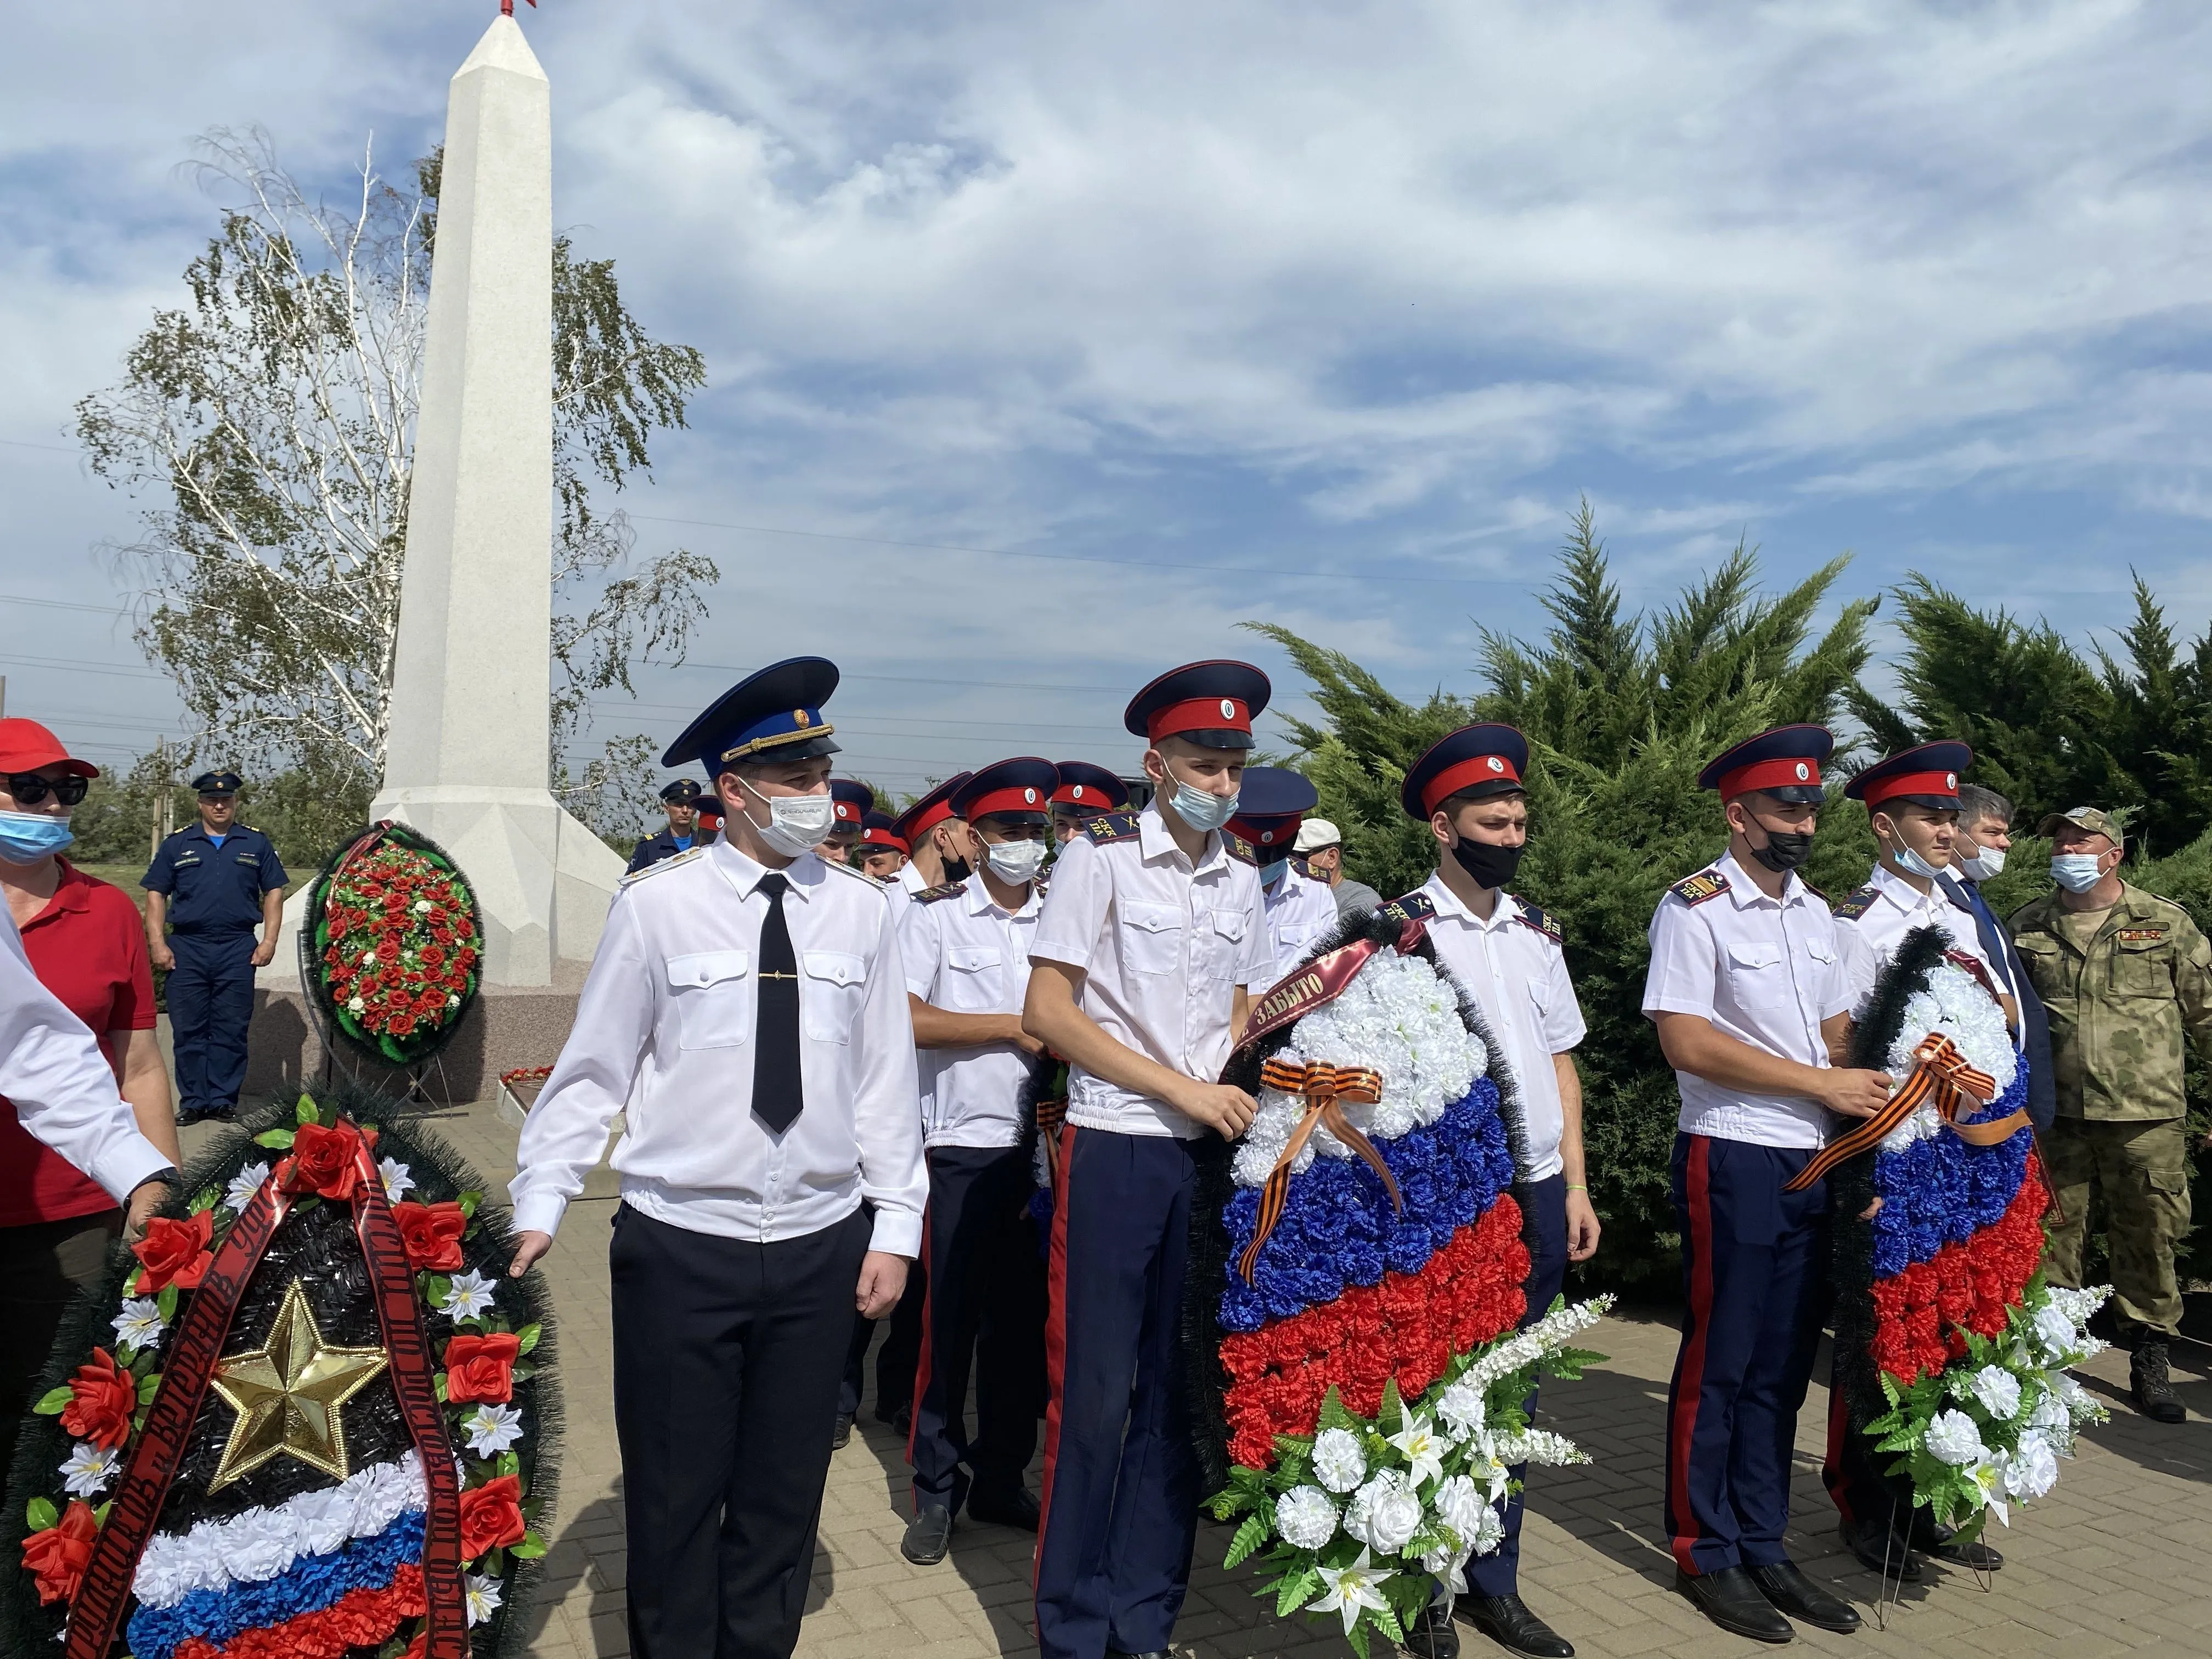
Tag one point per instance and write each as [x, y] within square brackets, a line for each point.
[2118, 1560]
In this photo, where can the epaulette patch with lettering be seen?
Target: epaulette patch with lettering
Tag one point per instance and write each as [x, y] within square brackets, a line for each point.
[1110, 827]
[1414, 907]
[948, 890]
[2140, 935]
[661, 865]
[1858, 903]
[1239, 848]
[1548, 925]
[1696, 889]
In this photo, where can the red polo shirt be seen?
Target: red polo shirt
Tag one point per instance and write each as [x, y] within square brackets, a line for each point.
[88, 947]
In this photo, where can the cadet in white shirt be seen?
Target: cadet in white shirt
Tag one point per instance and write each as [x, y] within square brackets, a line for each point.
[881, 854]
[1140, 975]
[1746, 989]
[966, 946]
[1086, 791]
[1467, 790]
[747, 1009]
[1299, 910]
[937, 842]
[1912, 798]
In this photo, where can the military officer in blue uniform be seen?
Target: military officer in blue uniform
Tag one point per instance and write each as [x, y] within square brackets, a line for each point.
[213, 884]
[1085, 791]
[681, 802]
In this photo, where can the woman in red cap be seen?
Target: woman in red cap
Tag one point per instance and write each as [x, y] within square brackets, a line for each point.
[87, 942]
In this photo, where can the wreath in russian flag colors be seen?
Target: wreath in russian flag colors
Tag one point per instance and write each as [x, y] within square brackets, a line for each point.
[396, 942]
[1357, 1280]
[1954, 1351]
[308, 1415]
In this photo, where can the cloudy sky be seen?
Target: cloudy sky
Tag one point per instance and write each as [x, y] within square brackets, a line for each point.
[1047, 342]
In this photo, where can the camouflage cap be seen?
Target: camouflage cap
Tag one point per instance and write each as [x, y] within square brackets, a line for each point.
[2095, 820]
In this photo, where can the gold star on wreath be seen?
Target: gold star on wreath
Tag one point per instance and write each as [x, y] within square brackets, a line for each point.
[287, 1393]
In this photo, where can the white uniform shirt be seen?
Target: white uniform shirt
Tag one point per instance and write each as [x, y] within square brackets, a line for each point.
[1893, 909]
[1763, 971]
[910, 878]
[664, 1030]
[1163, 947]
[1298, 911]
[966, 955]
[63, 1092]
[1516, 970]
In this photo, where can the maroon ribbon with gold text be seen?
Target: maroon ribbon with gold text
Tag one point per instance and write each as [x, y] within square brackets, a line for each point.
[97, 1614]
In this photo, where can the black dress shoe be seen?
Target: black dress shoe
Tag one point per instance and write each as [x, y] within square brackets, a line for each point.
[1801, 1598]
[1430, 1635]
[1148, 1653]
[1944, 1544]
[842, 1433]
[1012, 1508]
[1506, 1620]
[1880, 1550]
[1731, 1598]
[929, 1536]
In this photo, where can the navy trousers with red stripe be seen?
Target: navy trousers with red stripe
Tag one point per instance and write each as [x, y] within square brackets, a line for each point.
[1754, 1264]
[985, 1311]
[1544, 1230]
[1853, 1470]
[1121, 1485]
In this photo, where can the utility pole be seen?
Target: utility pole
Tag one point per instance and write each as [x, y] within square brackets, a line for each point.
[164, 804]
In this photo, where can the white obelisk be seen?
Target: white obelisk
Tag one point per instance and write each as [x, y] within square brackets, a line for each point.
[465, 759]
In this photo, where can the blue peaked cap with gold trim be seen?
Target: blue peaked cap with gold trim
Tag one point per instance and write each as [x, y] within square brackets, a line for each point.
[773, 715]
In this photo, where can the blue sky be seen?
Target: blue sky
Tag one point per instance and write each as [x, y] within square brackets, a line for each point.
[1376, 291]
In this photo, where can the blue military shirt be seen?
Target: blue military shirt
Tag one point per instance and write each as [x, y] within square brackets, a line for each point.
[653, 848]
[211, 889]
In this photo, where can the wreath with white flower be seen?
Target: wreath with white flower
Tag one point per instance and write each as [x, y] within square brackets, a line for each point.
[350, 1447]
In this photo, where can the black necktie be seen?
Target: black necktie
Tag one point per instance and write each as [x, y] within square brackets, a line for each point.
[778, 1094]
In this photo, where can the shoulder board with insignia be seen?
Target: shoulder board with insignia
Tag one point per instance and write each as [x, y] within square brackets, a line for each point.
[1110, 827]
[1696, 889]
[662, 866]
[1548, 925]
[948, 890]
[1239, 848]
[1851, 908]
[1414, 907]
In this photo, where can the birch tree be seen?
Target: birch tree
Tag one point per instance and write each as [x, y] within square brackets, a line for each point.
[271, 416]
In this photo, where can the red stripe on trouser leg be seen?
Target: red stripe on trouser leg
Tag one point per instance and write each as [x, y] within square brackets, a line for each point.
[1055, 1338]
[1690, 1367]
[1832, 1465]
[921, 1365]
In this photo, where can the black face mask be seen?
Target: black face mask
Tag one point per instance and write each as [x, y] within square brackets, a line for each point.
[1491, 866]
[1785, 851]
[956, 870]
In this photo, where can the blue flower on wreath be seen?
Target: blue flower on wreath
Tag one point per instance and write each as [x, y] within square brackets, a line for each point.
[312, 1584]
[1940, 1190]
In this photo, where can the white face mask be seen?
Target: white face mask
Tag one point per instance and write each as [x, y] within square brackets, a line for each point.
[1983, 863]
[797, 824]
[1016, 862]
[2077, 872]
[1199, 809]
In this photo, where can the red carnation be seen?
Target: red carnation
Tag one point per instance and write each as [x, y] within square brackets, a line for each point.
[102, 1398]
[433, 1235]
[175, 1252]
[58, 1557]
[481, 1367]
[324, 1162]
[491, 1517]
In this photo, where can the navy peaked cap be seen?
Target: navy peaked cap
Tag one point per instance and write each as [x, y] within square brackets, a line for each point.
[773, 715]
[1085, 789]
[1927, 775]
[219, 783]
[1784, 762]
[682, 793]
[1020, 789]
[1211, 704]
[1479, 760]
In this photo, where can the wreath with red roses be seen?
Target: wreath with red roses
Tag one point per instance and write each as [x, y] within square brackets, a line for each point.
[394, 945]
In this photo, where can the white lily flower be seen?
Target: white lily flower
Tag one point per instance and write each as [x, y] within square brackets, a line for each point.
[140, 1324]
[243, 1186]
[470, 1295]
[89, 1467]
[1352, 1590]
[399, 1179]
[492, 1429]
[483, 1597]
[1423, 1448]
[1989, 1478]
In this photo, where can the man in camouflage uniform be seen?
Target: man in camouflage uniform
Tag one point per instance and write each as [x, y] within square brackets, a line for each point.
[2122, 972]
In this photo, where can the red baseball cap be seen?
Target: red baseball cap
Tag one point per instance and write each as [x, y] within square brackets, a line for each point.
[25, 746]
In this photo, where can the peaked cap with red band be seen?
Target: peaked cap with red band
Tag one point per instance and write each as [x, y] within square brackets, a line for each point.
[1020, 789]
[1480, 760]
[1086, 790]
[854, 801]
[876, 832]
[1271, 804]
[931, 810]
[1211, 704]
[1927, 776]
[1784, 762]
[710, 808]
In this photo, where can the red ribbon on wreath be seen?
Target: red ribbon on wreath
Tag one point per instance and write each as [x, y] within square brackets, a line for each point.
[97, 1614]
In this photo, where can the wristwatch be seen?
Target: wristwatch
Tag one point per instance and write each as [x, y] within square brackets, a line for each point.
[168, 1177]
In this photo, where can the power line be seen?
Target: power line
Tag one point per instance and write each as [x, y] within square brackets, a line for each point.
[79, 668]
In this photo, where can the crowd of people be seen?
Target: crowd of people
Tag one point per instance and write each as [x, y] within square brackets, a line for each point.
[944, 1072]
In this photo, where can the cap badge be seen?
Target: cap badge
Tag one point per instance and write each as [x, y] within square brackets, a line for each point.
[1029, 795]
[1950, 779]
[1077, 792]
[800, 719]
[1265, 836]
[1495, 764]
[1228, 709]
[1804, 771]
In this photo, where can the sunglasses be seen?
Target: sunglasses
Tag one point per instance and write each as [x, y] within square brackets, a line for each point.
[29, 788]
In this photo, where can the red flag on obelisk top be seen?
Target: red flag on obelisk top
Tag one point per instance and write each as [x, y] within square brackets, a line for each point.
[507, 7]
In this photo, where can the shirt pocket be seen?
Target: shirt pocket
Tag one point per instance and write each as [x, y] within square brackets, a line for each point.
[1757, 977]
[836, 984]
[2139, 969]
[974, 978]
[713, 994]
[1151, 938]
[1224, 938]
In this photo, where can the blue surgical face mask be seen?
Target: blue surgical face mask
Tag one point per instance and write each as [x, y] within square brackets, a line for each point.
[1197, 809]
[26, 837]
[1914, 864]
[2077, 872]
[1272, 874]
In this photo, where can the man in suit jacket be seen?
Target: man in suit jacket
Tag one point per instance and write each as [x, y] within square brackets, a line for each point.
[1978, 854]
